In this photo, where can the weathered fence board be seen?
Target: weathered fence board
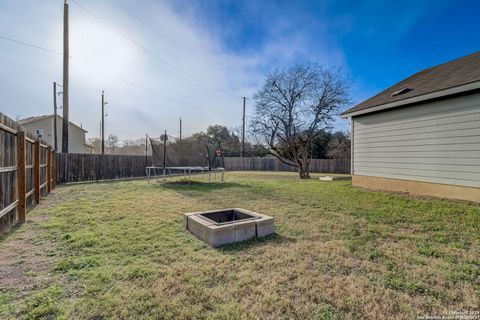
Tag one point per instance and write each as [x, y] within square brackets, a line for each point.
[17, 173]
[8, 180]
[75, 167]
[30, 174]
[272, 164]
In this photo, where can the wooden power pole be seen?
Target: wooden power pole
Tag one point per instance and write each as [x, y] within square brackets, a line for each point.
[146, 150]
[180, 129]
[103, 122]
[242, 151]
[55, 116]
[164, 150]
[65, 79]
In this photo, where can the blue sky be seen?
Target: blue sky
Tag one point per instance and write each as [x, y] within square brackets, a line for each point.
[228, 45]
[379, 42]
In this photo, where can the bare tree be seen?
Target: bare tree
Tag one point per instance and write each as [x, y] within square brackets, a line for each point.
[291, 108]
[96, 144]
[132, 147]
[112, 143]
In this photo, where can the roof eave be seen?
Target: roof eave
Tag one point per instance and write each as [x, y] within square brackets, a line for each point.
[32, 119]
[38, 118]
[73, 124]
[424, 97]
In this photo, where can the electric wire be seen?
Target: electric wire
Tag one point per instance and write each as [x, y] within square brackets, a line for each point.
[131, 83]
[30, 45]
[151, 53]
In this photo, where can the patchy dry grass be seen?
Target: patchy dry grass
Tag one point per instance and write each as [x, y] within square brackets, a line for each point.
[118, 250]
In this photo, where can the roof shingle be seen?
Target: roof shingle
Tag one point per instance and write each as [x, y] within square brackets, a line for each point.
[444, 76]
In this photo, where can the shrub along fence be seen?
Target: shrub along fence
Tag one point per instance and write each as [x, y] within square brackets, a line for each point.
[27, 165]
[273, 164]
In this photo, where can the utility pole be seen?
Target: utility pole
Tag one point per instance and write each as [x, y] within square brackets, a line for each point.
[180, 129]
[242, 150]
[103, 123]
[146, 150]
[55, 116]
[65, 79]
[165, 150]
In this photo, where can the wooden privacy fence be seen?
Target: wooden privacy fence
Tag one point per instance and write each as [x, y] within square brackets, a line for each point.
[27, 167]
[76, 167]
[273, 164]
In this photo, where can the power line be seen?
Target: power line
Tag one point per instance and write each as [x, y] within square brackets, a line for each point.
[127, 81]
[169, 97]
[123, 35]
[85, 89]
[30, 45]
[114, 124]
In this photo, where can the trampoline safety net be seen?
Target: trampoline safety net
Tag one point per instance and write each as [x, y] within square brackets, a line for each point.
[183, 154]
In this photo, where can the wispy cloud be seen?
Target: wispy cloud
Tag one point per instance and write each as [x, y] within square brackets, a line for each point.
[178, 33]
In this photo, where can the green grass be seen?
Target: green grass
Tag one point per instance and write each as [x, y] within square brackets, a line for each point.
[119, 250]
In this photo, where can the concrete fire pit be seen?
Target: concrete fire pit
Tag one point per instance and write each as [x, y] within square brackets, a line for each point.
[219, 227]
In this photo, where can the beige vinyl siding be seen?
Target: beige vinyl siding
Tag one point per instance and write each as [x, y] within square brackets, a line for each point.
[434, 142]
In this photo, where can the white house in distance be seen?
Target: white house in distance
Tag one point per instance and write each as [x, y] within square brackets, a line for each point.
[422, 135]
[42, 126]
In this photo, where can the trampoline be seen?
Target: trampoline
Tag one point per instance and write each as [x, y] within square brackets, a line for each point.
[184, 158]
[184, 171]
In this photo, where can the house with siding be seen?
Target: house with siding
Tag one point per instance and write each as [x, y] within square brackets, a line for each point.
[422, 135]
[43, 127]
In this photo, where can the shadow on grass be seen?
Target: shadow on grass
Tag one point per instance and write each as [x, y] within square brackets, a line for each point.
[199, 186]
[245, 245]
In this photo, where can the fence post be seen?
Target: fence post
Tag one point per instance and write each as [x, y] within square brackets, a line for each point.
[37, 171]
[21, 187]
[65, 165]
[54, 169]
[49, 169]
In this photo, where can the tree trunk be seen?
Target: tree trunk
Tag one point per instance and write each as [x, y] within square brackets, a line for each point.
[303, 170]
[304, 174]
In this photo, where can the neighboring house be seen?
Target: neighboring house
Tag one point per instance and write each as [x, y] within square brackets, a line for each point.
[422, 135]
[42, 126]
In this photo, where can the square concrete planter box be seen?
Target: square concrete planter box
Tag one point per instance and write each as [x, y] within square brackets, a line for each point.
[220, 227]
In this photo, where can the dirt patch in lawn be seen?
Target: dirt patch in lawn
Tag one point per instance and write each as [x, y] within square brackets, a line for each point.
[23, 259]
[26, 261]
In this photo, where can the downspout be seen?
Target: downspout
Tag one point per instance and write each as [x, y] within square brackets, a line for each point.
[351, 146]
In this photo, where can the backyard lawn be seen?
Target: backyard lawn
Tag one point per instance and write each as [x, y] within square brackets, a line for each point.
[119, 250]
